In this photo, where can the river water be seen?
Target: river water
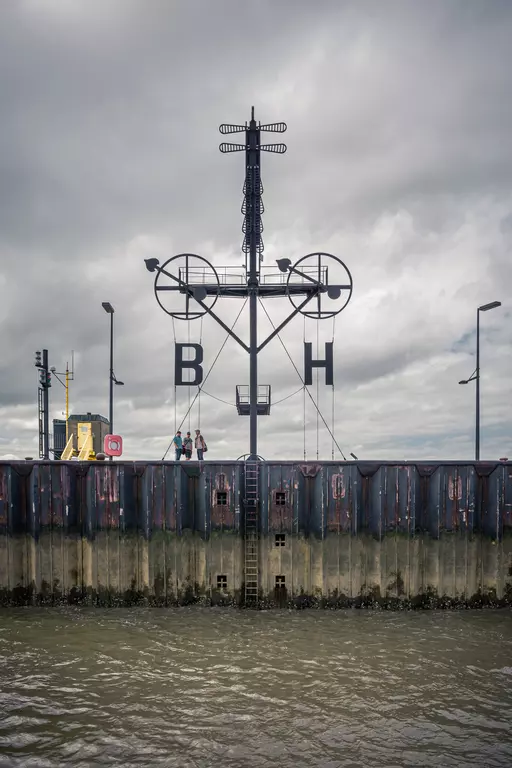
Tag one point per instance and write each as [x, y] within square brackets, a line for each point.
[213, 687]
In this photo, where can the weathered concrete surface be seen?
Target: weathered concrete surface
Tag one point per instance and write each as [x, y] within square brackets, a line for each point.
[412, 572]
[338, 571]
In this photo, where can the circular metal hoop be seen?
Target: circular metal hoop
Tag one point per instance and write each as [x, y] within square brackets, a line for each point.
[247, 456]
[328, 272]
[189, 279]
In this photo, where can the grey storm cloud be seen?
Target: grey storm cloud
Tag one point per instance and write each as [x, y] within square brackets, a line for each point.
[399, 123]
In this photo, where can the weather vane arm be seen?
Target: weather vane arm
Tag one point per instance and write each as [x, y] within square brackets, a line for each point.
[196, 292]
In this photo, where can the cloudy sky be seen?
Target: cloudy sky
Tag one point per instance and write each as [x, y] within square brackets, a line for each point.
[399, 162]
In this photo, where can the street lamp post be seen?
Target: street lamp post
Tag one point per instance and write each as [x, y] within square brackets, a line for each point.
[475, 376]
[109, 309]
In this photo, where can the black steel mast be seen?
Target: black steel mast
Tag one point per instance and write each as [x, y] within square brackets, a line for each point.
[193, 277]
[253, 198]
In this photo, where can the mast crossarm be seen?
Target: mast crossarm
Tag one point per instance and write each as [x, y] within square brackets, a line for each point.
[265, 290]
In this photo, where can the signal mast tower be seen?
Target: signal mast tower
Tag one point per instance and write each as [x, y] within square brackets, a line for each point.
[318, 279]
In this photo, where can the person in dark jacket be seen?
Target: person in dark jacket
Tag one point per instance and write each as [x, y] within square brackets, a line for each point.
[178, 445]
[187, 445]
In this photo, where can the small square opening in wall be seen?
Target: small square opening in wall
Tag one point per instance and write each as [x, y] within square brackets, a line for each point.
[221, 498]
[222, 582]
[280, 539]
[280, 582]
[280, 498]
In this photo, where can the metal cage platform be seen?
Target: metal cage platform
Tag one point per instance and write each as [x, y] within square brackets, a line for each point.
[243, 400]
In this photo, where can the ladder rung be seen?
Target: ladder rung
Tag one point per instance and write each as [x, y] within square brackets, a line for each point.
[251, 550]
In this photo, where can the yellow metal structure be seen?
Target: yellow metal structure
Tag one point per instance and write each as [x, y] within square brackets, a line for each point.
[84, 442]
[86, 451]
[84, 431]
[68, 451]
[67, 402]
[86, 436]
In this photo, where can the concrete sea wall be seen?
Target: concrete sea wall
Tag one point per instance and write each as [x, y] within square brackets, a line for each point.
[331, 534]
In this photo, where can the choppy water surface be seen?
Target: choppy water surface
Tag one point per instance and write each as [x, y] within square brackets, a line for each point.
[192, 687]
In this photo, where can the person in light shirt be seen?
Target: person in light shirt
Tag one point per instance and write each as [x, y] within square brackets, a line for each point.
[200, 445]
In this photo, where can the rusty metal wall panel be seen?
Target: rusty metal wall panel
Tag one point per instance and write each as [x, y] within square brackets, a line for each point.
[311, 499]
[106, 494]
[7, 497]
[222, 496]
[492, 493]
[53, 504]
[341, 487]
[307, 512]
[153, 497]
[378, 488]
[65, 510]
[172, 499]
[369, 518]
[98, 494]
[278, 498]
[43, 511]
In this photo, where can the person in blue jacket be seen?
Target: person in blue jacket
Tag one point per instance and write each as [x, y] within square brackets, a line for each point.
[178, 445]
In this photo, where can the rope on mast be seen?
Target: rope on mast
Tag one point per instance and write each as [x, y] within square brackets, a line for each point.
[304, 405]
[188, 331]
[175, 389]
[300, 377]
[206, 377]
[332, 443]
[317, 388]
[198, 388]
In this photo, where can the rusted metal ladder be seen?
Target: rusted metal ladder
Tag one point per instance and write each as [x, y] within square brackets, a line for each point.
[251, 559]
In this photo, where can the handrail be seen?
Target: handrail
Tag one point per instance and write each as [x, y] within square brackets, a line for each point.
[67, 453]
[86, 449]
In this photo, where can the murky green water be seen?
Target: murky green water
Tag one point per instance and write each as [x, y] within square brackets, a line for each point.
[193, 687]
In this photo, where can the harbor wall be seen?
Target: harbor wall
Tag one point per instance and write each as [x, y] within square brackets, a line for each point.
[330, 534]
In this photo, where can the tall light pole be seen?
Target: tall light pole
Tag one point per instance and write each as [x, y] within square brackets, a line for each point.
[69, 376]
[475, 376]
[109, 309]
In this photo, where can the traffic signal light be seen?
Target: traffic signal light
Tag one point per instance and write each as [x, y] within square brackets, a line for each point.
[38, 363]
[45, 378]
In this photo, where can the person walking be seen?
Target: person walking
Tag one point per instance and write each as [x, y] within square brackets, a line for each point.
[187, 444]
[178, 445]
[200, 445]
